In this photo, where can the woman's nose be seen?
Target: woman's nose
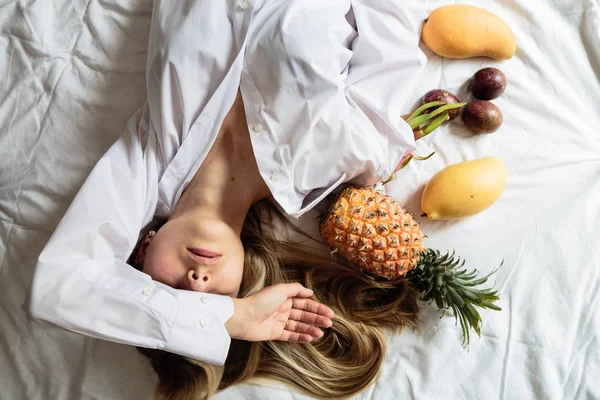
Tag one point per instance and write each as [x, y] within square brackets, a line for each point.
[198, 280]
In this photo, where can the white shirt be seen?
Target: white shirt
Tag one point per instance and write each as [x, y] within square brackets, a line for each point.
[324, 84]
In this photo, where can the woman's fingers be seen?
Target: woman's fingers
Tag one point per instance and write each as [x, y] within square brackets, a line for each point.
[310, 318]
[302, 328]
[289, 336]
[311, 312]
[299, 295]
[300, 332]
[313, 307]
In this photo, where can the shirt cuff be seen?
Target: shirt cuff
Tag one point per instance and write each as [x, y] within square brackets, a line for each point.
[199, 327]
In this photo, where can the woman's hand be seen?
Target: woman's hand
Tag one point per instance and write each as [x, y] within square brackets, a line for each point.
[279, 312]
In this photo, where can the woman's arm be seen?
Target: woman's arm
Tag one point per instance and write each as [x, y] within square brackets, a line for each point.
[82, 282]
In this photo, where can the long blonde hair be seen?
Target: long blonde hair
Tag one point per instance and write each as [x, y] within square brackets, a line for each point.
[345, 361]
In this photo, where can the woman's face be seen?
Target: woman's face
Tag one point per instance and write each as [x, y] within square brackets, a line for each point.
[208, 258]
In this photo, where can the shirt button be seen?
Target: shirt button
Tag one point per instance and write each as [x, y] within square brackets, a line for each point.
[204, 299]
[275, 177]
[203, 322]
[257, 128]
[244, 5]
[147, 292]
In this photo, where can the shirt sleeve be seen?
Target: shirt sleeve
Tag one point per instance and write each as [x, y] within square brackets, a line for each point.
[384, 69]
[83, 283]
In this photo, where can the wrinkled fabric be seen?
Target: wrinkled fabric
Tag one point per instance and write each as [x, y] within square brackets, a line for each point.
[75, 73]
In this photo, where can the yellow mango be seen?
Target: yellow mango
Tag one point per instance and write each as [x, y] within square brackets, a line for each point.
[463, 31]
[464, 189]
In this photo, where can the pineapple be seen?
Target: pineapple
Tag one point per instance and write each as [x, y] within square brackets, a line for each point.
[374, 232]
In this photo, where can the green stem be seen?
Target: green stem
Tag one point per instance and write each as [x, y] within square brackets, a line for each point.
[405, 163]
[427, 157]
[447, 107]
[411, 156]
[388, 180]
[440, 113]
[417, 121]
[424, 107]
[433, 125]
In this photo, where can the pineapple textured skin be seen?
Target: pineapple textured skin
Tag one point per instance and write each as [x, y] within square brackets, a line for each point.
[373, 231]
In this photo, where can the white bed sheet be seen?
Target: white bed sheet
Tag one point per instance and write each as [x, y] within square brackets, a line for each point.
[73, 72]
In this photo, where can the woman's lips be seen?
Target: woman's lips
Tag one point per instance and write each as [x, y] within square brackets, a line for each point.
[204, 256]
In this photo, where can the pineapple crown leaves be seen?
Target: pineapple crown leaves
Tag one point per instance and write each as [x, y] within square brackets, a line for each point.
[442, 278]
